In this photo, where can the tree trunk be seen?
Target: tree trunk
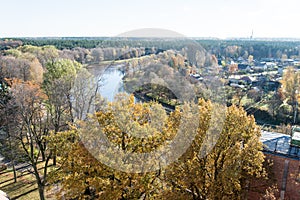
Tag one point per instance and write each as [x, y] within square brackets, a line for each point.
[39, 181]
[54, 156]
[41, 191]
[14, 171]
[13, 160]
[54, 150]
[42, 152]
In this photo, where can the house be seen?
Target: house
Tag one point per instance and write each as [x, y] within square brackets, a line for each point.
[271, 85]
[286, 162]
[247, 79]
[268, 65]
[296, 63]
[263, 82]
[244, 67]
[260, 67]
[197, 77]
[233, 80]
[241, 60]
[280, 71]
[236, 85]
[295, 139]
[287, 62]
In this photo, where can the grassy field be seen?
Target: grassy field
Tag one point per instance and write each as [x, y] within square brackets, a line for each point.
[25, 188]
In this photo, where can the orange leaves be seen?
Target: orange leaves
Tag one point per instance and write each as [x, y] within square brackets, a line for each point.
[233, 68]
[27, 92]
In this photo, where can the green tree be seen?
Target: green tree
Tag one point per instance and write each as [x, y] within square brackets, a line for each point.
[58, 82]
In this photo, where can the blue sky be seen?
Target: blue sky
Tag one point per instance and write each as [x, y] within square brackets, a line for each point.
[194, 18]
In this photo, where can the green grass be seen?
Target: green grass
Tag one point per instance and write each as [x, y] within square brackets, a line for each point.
[24, 189]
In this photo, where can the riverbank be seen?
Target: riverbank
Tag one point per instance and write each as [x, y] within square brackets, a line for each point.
[144, 97]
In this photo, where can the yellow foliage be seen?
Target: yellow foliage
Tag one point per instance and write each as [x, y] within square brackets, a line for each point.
[221, 173]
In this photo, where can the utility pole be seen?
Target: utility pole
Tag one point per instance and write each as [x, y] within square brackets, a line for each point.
[296, 107]
[251, 37]
[295, 112]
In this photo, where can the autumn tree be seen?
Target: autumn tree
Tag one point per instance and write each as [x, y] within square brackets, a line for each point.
[221, 168]
[233, 68]
[250, 59]
[31, 128]
[224, 173]
[15, 67]
[44, 54]
[236, 94]
[21, 65]
[291, 90]
[8, 145]
[121, 122]
[84, 94]
[97, 55]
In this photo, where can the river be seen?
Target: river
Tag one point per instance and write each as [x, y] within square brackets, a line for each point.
[111, 79]
[112, 83]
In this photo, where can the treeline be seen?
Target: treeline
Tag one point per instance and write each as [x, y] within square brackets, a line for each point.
[221, 48]
[258, 49]
[70, 43]
[79, 54]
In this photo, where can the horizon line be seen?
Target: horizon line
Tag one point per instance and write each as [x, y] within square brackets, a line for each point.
[163, 37]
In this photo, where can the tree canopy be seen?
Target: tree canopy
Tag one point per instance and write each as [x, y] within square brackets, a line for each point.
[226, 171]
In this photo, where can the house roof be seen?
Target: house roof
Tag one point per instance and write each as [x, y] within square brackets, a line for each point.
[243, 66]
[248, 78]
[279, 143]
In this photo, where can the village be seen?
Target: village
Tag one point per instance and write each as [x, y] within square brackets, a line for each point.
[281, 146]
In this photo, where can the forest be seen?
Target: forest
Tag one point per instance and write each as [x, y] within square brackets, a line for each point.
[257, 48]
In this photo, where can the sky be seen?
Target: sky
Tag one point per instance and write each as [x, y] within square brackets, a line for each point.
[192, 18]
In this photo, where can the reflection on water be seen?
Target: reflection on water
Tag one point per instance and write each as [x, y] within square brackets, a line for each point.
[112, 83]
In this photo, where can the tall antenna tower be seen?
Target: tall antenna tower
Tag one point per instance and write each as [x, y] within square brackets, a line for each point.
[251, 37]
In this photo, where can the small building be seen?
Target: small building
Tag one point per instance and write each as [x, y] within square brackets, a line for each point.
[247, 79]
[280, 71]
[236, 85]
[233, 80]
[260, 67]
[286, 163]
[270, 65]
[287, 62]
[196, 77]
[295, 141]
[280, 144]
[244, 67]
